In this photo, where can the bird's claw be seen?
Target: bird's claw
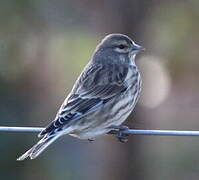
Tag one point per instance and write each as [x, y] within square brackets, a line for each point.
[118, 131]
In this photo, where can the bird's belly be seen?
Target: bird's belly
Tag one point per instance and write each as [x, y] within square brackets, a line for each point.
[114, 112]
[90, 134]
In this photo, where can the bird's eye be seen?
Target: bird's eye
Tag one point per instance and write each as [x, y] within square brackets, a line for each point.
[121, 46]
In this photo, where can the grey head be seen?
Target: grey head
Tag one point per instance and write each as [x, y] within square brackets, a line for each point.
[116, 48]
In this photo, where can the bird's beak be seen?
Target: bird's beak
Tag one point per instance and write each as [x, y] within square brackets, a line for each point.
[136, 48]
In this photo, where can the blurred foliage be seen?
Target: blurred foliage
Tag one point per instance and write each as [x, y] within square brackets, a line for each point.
[44, 45]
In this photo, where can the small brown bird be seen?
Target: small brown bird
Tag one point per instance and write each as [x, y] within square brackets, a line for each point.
[102, 98]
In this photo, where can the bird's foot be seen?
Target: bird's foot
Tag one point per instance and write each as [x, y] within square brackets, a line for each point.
[118, 131]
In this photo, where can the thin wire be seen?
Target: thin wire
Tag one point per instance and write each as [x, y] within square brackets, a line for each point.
[127, 132]
[20, 129]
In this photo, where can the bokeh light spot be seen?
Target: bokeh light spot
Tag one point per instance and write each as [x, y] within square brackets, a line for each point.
[156, 81]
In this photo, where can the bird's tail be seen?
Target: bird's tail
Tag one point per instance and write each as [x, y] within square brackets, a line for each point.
[38, 148]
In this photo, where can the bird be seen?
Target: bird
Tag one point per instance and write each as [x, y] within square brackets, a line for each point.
[102, 97]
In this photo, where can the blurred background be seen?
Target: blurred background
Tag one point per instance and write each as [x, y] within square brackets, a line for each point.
[44, 45]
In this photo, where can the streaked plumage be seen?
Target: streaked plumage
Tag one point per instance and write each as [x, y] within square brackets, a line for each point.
[103, 96]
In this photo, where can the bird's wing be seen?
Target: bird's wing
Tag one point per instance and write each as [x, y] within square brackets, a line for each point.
[96, 86]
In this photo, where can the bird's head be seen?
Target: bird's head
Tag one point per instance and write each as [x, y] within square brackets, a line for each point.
[117, 47]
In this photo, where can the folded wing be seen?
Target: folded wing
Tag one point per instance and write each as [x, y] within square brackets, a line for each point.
[96, 86]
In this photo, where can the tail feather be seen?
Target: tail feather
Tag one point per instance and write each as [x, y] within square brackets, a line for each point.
[38, 148]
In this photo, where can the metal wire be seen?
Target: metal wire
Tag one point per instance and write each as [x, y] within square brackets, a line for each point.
[127, 132]
[20, 129]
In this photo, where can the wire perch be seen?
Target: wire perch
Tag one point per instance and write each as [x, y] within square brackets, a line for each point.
[125, 132]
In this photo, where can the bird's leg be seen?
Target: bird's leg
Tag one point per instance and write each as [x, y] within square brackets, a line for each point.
[118, 131]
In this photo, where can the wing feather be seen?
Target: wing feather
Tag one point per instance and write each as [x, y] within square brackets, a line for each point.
[96, 85]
